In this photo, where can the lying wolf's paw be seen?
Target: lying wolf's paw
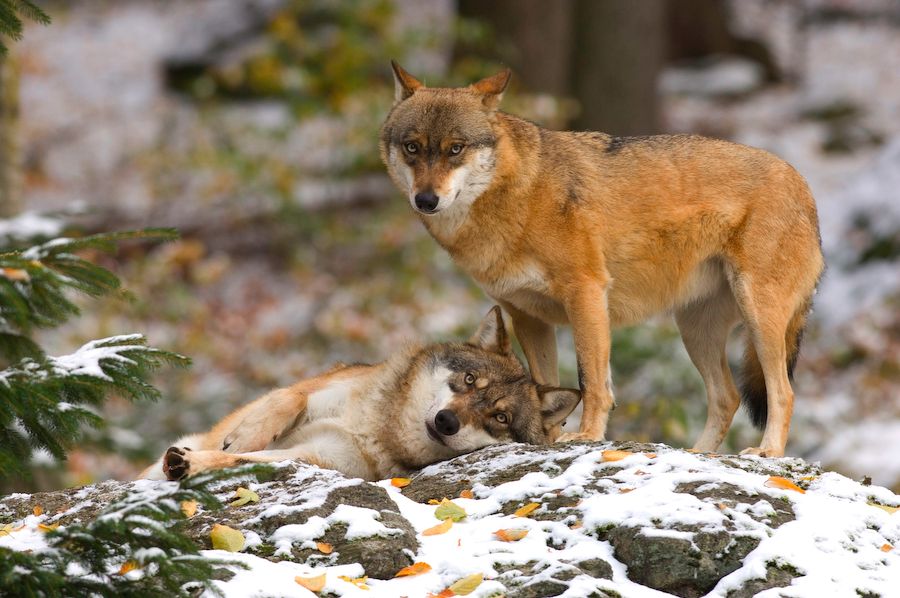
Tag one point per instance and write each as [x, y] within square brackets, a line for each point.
[762, 452]
[175, 463]
[575, 437]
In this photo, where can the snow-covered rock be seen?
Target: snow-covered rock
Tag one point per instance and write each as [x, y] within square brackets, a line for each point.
[612, 519]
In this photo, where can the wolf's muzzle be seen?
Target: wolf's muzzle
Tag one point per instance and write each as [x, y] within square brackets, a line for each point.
[446, 422]
[427, 202]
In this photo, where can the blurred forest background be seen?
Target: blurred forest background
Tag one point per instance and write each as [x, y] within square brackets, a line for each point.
[251, 126]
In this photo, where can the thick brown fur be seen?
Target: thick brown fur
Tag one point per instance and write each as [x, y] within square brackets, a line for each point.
[601, 231]
[374, 421]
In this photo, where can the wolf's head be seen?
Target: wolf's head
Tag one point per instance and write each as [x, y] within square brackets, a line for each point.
[439, 144]
[465, 396]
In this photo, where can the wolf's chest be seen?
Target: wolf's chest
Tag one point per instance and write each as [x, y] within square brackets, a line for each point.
[526, 288]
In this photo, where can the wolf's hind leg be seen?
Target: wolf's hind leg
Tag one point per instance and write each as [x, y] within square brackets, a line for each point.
[705, 326]
[538, 340]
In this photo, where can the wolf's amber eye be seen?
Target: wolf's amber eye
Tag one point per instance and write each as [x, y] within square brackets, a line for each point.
[456, 149]
[412, 147]
[502, 418]
[470, 379]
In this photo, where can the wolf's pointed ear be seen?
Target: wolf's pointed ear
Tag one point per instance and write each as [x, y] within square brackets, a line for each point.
[404, 84]
[492, 88]
[491, 334]
[557, 404]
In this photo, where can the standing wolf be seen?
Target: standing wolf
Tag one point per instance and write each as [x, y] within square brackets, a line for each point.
[601, 231]
[422, 405]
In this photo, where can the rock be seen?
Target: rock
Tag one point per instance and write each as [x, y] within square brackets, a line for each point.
[299, 501]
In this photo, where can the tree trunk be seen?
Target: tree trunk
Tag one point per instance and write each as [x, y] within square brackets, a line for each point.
[9, 150]
[533, 36]
[618, 52]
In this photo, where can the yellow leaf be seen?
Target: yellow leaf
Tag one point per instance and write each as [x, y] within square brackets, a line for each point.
[38, 510]
[128, 566]
[324, 547]
[313, 584]
[47, 527]
[526, 510]
[511, 535]
[244, 496]
[414, 569]
[466, 585]
[886, 548]
[890, 510]
[615, 455]
[449, 509]
[467, 494]
[359, 582]
[189, 508]
[784, 484]
[400, 482]
[433, 501]
[226, 538]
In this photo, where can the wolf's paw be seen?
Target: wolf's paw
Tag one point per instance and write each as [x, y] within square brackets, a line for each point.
[762, 452]
[575, 437]
[176, 464]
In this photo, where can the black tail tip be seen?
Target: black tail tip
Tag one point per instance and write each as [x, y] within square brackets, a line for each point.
[756, 404]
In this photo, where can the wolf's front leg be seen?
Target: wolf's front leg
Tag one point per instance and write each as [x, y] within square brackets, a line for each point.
[265, 420]
[588, 313]
[179, 463]
[538, 340]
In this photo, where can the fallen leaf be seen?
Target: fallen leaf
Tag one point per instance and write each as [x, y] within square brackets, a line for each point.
[440, 528]
[128, 566]
[433, 501]
[189, 508]
[650, 455]
[721, 506]
[783, 484]
[313, 584]
[324, 547]
[446, 593]
[576, 525]
[226, 538]
[16, 274]
[467, 494]
[625, 490]
[44, 527]
[808, 478]
[400, 482]
[510, 535]
[38, 510]
[244, 496]
[359, 582]
[466, 585]
[449, 509]
[414, 569]
[886, 548]
[526, 510]
[890, 510]
[615, 455]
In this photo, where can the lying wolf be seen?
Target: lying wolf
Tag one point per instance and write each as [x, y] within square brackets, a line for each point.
[424, 404]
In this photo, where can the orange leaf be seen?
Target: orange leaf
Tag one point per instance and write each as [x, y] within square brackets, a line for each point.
[189, 508]
[625, 490]
[784, 484]
[47, 528]
[400, 482]
[467, 494]
[15, 274]
[510, 535]
[886, 548]
[128, 566]
[313, 584]
[38, 510]
[526, 510]
[446, 593]
[615, 455]
[576, 525]
[324, 547]
[440, 528]
[650, 455]
[414, 569]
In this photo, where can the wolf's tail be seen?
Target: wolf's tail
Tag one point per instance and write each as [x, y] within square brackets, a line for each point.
[752, 382]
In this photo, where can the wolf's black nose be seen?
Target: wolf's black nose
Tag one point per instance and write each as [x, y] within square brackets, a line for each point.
[446, 422]
[427, 201]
